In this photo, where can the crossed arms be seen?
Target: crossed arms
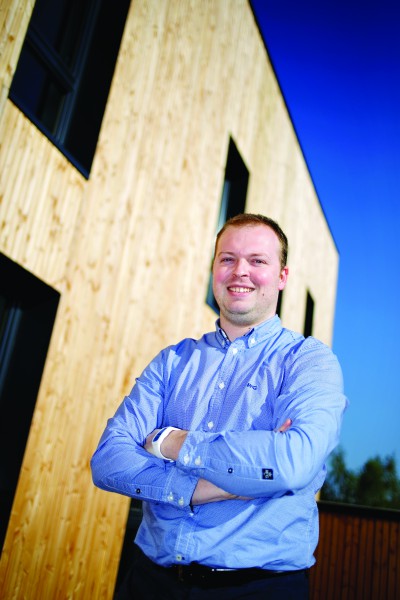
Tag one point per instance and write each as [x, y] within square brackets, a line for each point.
[230, 464]
[205, 491]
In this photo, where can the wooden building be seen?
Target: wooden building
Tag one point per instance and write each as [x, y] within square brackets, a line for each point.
[111, 246]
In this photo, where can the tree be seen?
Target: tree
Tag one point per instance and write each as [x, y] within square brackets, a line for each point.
[375, 484]
[340, 484]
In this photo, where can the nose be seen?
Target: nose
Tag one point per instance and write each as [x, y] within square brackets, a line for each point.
[241, 268]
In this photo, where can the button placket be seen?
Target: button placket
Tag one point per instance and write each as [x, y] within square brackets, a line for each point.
[224, 376]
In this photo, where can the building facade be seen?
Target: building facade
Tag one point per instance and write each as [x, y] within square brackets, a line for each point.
[120, 245]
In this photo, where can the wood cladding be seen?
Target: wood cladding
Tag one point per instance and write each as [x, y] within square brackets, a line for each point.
[358, 555]
[14, 19]
[129, 250]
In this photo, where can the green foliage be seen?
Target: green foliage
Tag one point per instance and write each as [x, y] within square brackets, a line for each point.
[375, 484]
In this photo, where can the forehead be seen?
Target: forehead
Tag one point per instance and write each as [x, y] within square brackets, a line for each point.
[252, 239]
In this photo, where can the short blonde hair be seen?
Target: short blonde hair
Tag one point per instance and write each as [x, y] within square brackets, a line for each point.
[249, 219]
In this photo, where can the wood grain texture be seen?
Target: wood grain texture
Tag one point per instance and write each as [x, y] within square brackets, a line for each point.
[14, 19]
[129, 250]
[358, 555]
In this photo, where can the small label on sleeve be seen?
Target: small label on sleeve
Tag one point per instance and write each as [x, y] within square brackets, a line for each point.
[267, 474]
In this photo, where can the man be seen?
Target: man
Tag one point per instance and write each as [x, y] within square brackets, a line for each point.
[225, 440]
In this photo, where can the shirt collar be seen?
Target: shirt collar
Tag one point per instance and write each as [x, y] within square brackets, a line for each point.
[254, 336]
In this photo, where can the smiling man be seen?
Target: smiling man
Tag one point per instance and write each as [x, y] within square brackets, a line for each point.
[249, 271]
[225, 440]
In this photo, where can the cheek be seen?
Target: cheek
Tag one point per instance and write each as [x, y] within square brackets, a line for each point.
[263, 280]
[268, 285]
[218, 276]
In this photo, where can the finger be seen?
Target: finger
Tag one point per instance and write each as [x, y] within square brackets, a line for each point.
[285, 426]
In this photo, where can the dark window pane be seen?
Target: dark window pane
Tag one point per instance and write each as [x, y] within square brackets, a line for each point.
[27, 312]
[38, 92]
[309, 316]
[61, 24]
[65, 70]
[91, 98]
[279, 305]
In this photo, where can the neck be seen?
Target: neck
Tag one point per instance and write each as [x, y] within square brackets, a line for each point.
[234, 330]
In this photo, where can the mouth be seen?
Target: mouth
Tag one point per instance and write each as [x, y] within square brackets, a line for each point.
[240, 290]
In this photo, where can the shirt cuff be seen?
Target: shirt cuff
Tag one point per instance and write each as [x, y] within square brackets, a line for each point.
[193, 454]
[179, 488]
[224, 465]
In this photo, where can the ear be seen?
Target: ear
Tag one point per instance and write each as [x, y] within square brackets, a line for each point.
[283, 277]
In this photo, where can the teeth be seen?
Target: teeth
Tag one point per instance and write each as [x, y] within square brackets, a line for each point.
[240, 289]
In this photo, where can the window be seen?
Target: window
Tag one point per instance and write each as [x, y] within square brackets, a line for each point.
[27, 312]
[233, 199]
[279, 304]
[308, 321]
[65, 69]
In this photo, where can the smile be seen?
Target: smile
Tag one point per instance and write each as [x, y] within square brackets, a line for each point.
[240, 290]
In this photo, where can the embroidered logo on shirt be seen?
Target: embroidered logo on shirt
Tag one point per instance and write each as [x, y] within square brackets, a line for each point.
[253, 387]
[267, 473]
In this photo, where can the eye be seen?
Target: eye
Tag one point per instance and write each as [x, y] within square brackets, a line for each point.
[226, 259]
[259, 261]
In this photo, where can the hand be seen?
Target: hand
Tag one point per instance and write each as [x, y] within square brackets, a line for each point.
[283, 428]
[206, 491]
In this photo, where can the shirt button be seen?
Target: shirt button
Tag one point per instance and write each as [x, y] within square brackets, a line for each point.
[221, 385]
[186, 459]
[181, 502]
[179, 557]
[197, 461]
[170, 497]
[252, 341]
[210, 425]
[234, 350]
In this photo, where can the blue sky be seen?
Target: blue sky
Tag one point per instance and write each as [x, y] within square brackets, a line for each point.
[338, 65]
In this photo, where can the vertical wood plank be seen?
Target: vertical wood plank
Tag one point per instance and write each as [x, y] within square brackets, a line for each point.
[376, 559]
[383, 562]
[363, 557]
[394, 561]
[336, 572]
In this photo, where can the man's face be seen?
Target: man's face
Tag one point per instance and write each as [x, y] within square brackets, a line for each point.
[247, 275]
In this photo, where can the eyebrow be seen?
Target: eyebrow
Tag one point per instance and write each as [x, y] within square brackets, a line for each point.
[252, 255]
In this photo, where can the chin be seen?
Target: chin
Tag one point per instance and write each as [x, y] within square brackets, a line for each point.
[239, 318]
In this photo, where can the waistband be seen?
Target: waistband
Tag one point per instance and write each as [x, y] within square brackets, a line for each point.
[202, 576]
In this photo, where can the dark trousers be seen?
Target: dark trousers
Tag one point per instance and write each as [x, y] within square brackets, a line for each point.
[147, 581]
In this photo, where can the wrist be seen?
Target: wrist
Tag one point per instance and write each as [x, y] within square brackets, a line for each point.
[158, 440]
[173, 443]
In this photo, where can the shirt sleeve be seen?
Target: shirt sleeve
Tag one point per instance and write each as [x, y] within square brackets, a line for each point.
[121, 464]
[269, 463]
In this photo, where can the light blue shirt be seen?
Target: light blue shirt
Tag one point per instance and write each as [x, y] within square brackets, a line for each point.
[231, 397]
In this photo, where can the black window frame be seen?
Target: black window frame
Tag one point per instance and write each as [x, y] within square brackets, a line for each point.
[62, 84]
[309, 315]
[28, 308]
